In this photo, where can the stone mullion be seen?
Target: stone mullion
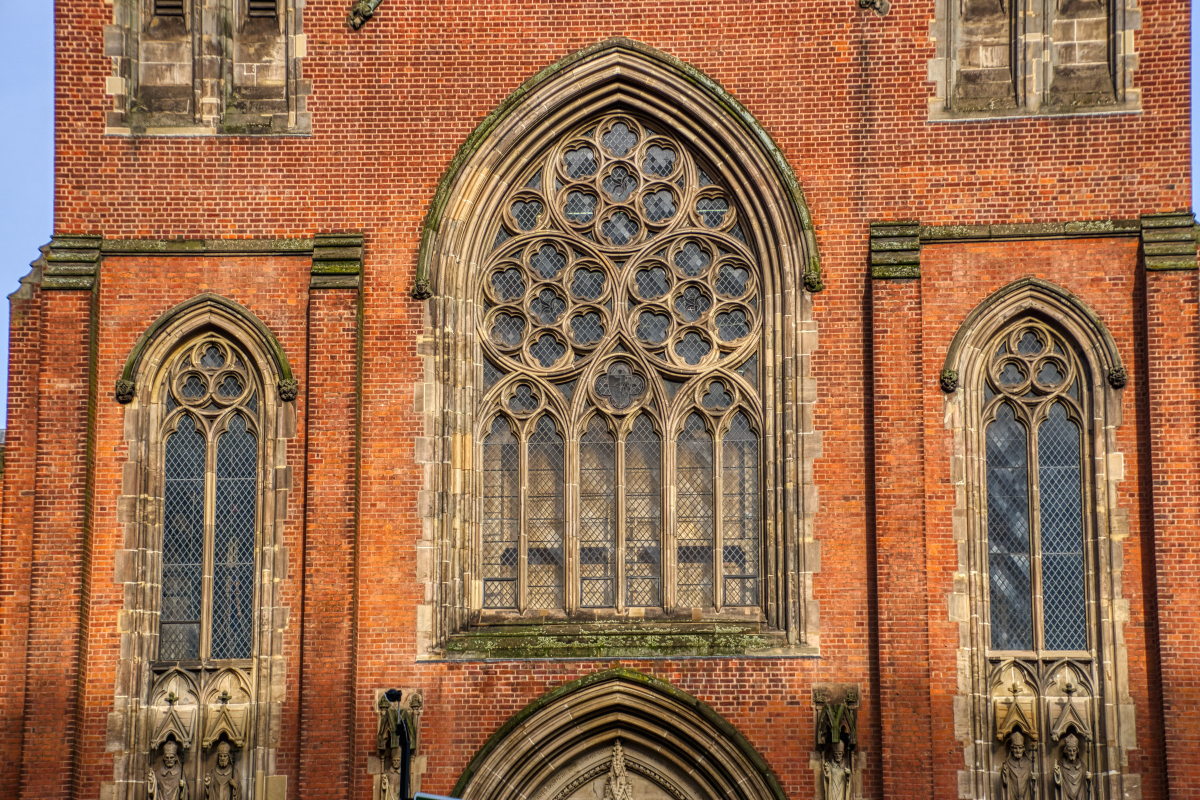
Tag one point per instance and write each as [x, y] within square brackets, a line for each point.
[1035, 534]
[668, 454]
[206, 559]
[718, 511]
[621, 532]
[572, 571]
[523, 536]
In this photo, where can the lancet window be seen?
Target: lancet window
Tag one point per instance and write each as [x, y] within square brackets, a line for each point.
[1040, 644]
[210, 505]
[621, 421]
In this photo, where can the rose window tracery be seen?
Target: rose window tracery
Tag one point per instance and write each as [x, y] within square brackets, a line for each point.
[620, 327]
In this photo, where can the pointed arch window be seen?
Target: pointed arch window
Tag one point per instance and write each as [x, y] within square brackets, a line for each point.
[210, 457]
[621, 311]
[1033, 412]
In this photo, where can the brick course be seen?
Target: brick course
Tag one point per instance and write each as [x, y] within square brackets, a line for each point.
[843, 93]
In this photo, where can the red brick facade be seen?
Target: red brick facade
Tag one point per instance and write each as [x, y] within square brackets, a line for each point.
[843, 94]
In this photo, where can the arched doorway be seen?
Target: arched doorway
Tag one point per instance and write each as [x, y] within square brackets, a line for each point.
[622, 735]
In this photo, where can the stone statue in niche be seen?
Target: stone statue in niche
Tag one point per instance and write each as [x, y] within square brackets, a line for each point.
[1071, 780]
[221, 782]
[166, 782]
[837, 738]
[837, 773]
[1017, 777]
[396, 743]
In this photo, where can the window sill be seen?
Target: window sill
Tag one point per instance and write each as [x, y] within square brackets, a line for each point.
[938, 113]
[546, 639]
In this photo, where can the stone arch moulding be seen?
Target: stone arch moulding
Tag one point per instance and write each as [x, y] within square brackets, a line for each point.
[220, 312]
[1094, 696]
[623, 76]
[560, 743]
[156, 699]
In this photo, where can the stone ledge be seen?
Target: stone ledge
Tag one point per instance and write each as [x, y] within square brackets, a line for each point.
[72, 261]
[615, 640]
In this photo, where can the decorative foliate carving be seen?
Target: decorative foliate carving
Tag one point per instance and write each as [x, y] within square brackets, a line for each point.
[1118, 377]
[949, 380]
[289, 389]
[617, 785]
[880, 7]
[124, 391]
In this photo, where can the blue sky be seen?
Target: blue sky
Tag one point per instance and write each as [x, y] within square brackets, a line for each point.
[27, 152]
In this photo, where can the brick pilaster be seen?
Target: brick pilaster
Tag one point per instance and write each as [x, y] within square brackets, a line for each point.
[16, 524]
[902, 612]
[1173, 373]
[57, 580]
[327, 659]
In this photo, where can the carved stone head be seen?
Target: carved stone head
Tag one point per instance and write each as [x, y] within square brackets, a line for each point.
[397, 759]
[1071, 748]
[1016, 745]
[224, 756]
[839, 751]
[169, 756]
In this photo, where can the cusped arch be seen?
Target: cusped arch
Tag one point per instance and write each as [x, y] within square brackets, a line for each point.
[617, 74]
[1049, 302]
[567, 736]
[466, 219]
[206, 311]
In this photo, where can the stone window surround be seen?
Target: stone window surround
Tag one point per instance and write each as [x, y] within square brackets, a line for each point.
[616, 74]
[974, 718]
[121, 44]
[138, 565]
[1126, 17]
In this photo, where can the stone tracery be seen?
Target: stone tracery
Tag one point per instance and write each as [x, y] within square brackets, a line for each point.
[620, 287]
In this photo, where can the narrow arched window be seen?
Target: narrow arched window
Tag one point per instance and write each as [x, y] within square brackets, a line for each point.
[210, 457]
[620, 306]
[1034, 403]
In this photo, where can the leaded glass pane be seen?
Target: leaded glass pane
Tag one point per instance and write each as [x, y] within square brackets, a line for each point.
[183, 542]
[544, 518]
[1061, 495]
[694, 514]
[643, 515]
[1008, 533]
[597, 515]
[740, 513]
[233, 542]
[501, 515]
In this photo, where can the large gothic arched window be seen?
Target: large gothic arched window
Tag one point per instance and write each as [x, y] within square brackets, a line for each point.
[621, 330]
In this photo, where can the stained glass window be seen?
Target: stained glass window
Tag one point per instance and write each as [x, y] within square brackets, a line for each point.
[1036, 528]
[210, 504]
[619, 423]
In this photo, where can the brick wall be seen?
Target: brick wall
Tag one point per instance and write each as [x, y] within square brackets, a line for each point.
[843, 94]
